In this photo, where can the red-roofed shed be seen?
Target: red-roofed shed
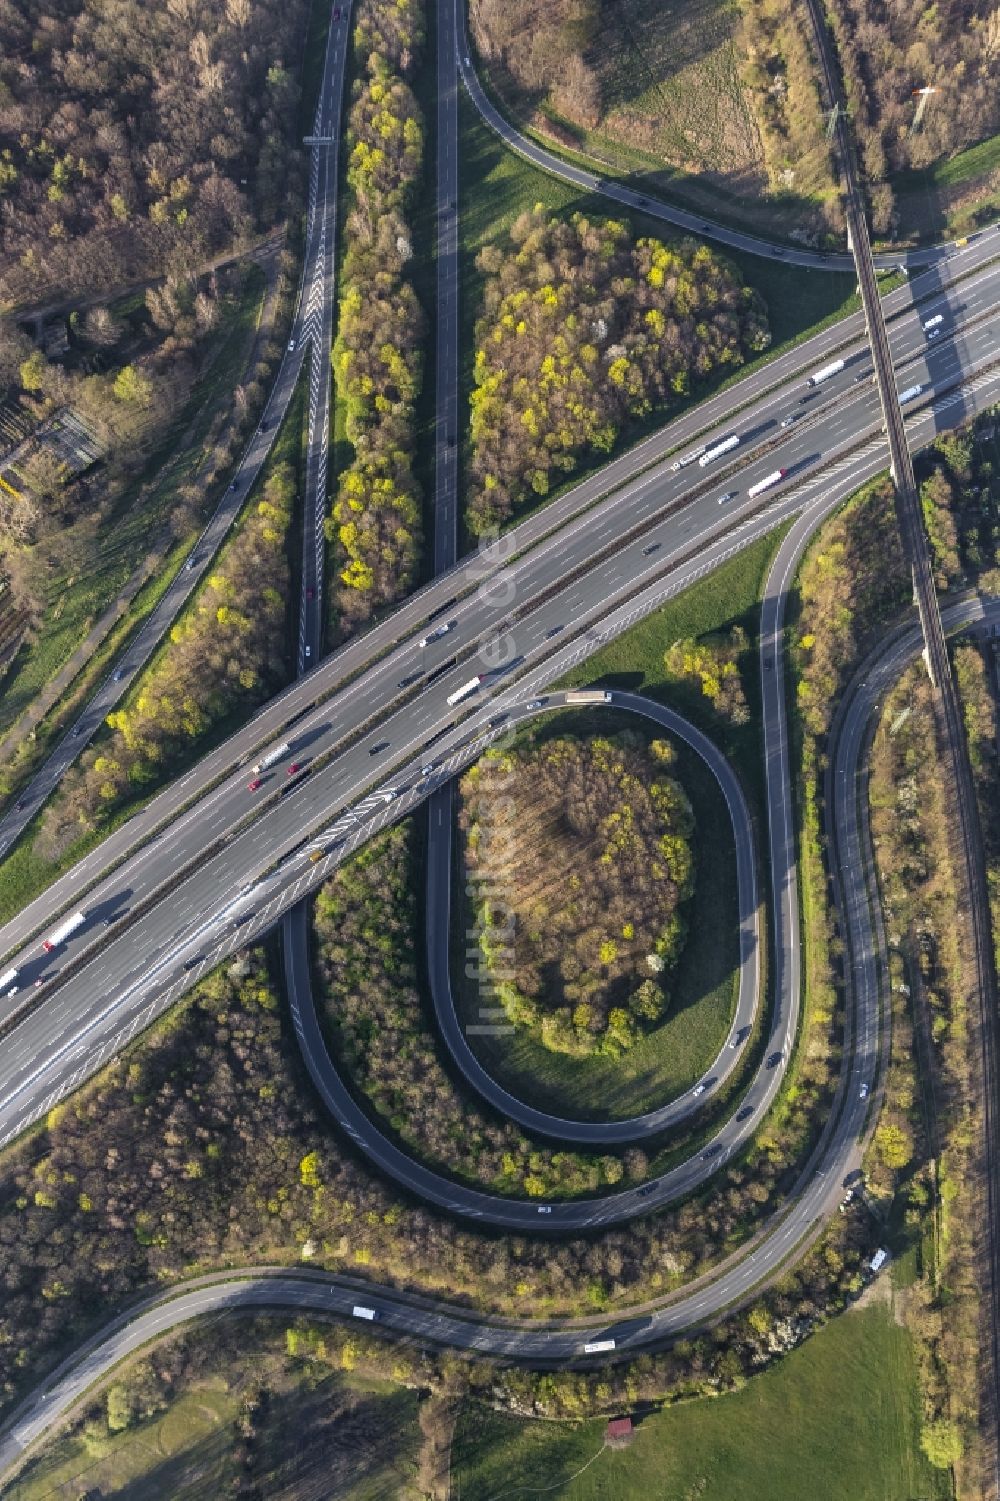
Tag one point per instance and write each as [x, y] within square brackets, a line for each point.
[619, 1433]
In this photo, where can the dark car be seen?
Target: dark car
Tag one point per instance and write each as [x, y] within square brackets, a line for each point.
[235, 485]
[652, 547]
[310, 592]
[380, 745]
[649, 1188]
[712, 1151]
[190, 963]
[774, 1060]
[745, 1113]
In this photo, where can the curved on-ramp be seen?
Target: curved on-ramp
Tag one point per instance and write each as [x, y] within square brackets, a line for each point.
[599, 1134]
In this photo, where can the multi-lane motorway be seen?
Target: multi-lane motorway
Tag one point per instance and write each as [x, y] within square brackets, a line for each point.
[209, 866]
[570, 580]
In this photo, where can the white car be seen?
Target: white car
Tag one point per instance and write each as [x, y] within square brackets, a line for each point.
[698, 1089]
[864, 1091]
[545, 1209]
[438, 632]
[291, 346]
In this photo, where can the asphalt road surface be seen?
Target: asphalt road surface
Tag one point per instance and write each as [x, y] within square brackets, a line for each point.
[233, 894]
[637, 487]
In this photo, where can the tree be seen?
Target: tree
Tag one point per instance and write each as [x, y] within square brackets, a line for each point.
[942, 1443]
[132, 387]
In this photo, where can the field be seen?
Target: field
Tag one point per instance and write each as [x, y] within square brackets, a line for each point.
[679, 112]
[362, 1444]
[729, 596]
[836, 1420]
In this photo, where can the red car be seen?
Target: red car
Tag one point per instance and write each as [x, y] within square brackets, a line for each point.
[254, 785]
[336, 12]
[295, 766]
[310, 593]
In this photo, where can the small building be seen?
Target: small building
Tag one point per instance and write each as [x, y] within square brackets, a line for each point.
[619, 1432]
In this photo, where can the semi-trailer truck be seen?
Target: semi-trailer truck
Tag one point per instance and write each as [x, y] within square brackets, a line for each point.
[689, 458]
[59, 935]
[588, 696]
[466, 689]
[774, 478]
[269, 758]
[716, 452]
[824, 373]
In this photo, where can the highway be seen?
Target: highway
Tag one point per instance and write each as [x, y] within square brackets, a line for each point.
[217, 906]
[550, 1342]
[969, 271]
[575, 588]
[636, 487]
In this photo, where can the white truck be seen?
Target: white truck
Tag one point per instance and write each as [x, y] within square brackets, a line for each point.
[466, 689]
[688, 458]
[824, 373]
[716, 452]
[934, 322]
[360, 1312]
[597, 1346]
[269, 758]
[910, 394]
[774, 478]
[7, 978]
[588, 696]
[59, 935]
